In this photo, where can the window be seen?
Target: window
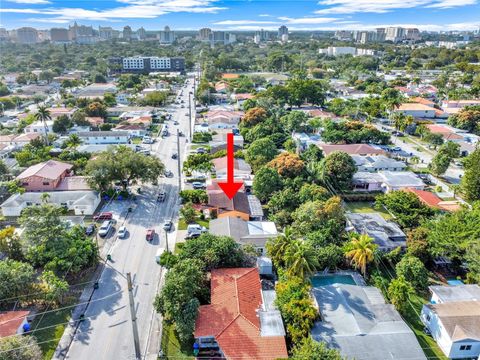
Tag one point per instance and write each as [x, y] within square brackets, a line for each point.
[465, 347]
[46, 183]
[25, 184]
[428, 317]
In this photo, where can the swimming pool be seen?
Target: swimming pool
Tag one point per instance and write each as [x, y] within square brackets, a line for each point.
[322, 280]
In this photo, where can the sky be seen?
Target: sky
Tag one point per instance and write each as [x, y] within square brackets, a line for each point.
[430, 15]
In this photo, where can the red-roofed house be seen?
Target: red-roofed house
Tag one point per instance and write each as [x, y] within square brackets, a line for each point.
[11, 322]
[51, 176]
[221, 87]
[95, 120]
[432, 200]
[421, 100]
[232, 325]
[223, 119]
[447, 134]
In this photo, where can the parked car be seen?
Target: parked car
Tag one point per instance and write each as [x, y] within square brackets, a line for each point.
[150, 234]
[198, 185]
[201, 150]
[122, 232]
[174, 155]
[147, 140]
[175, 122]
[195, 230]
[168, 173]
[105, 228]
[161, 195]
[103, 216]
[180, 134]
[90, 230]
[167, 225]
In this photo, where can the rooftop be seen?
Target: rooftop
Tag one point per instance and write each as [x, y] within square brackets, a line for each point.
[102, 133]
[10, 321]
[234, 317]
[456, 293]
[358, 149]
[414, 107]
[461, 319]
[357, 321]
[401, 179]
[50, 169]
[432, 200]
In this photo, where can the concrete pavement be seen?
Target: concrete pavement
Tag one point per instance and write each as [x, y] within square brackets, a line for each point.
[106, 332]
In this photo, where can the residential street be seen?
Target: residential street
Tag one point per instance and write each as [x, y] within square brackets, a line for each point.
[107, 331]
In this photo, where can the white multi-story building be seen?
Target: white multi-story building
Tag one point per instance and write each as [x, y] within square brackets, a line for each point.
[26, 35]
[166, 36]
[395, 34]
[346, 50]
[133, 63]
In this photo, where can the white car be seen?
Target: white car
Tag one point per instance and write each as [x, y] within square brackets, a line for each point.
[122, 232]
[105, 228]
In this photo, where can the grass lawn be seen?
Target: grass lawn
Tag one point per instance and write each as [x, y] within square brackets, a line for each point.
[171, 346]
[182, 225]
[364, 207]
[136, 140]
[52, 324]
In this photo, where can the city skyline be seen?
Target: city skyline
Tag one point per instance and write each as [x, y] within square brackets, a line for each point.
[428, 15]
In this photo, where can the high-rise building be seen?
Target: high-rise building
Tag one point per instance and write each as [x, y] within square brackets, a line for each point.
[222, 37]
[79, 32]
[26, 35]
[141, 34]
[127, 33]
[166, 36]
[343, 35]
[59, 35]
[204, 34]
[107, 33]
[395, 34]
[282, 30]
[380, 37]
[413, 34]
[4, 36]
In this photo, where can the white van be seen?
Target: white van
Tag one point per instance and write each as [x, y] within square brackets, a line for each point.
[105, 228]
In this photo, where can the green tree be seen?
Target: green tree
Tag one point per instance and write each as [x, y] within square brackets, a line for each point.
[413, 270]
[54, 287]
[313, 192]
[155, 98]
[194, 196]
[467, 118]
[312, 154]
[61, 124]
[16, 279]
[266, 182]
[360, 251]
[417, 244]
[10, 243]
[188, 213]
[198, 162]
[213, 251]
[260, 152]
[300, 259]
[254, 116]
[43, 115]
[122, 164]
[338, 169]
[294, 120]
[408, 210]
[20, 348]
[73, 141]
[309, 349]
[178, 300]
[471, 180]
[277, 247]
[399, 292]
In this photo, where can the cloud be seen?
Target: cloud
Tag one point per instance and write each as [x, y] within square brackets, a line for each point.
[135, 9]
[310, 20]
[244, 22]
[31, 2]
[383, 6]
[265, 15]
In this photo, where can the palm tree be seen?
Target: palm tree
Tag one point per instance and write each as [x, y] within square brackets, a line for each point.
[360, 251]
[300, 259]
[276, 248]
[73, 141]
[43, 115]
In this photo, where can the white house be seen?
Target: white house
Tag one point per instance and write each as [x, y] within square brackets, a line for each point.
[453, 318]
[377, 163]
[221, 119]
[39, 127]
[80, 202]
[416, 110]
[455, 326]
[104, 137]
[399, 180]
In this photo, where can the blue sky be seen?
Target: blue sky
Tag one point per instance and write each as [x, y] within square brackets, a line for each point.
[244, 14]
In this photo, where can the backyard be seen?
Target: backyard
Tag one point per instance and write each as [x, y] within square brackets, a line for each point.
[364, 207]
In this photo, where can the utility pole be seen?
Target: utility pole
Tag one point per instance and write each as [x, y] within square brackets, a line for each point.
[166, 240]
[136, 340]
[178, 162]
[190, 114]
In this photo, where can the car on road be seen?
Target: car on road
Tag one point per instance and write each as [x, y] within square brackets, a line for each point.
[161, 195]
[180, 134]
[197, 185]
[397, 148]
[90, 230]
[103, 216]
[150, 234]
[168, 173]
[174, 155]
[144, 152]
[147, 140]
[201, 150]
[105, 228]
[167, 225]
[175, 122]
[122, 232]
[183, 106]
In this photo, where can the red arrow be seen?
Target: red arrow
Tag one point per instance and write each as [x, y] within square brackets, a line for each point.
[230, 187]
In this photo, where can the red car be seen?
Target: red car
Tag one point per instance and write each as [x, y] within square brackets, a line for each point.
[103, 216]
[150, 234]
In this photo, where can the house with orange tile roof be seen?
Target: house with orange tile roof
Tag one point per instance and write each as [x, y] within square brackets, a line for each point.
[241, 322]
[12, 322]
[229, 76]
[221, 87]
[416, 110]
[432, 200]
[95, 120]
[447, 133]
[421, 100]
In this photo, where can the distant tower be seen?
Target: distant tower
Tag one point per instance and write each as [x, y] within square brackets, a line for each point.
[127, 33]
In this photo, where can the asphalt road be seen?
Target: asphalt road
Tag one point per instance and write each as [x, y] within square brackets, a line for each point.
[107, 331]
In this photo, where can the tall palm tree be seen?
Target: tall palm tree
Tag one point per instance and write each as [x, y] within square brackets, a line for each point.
[43, 115]
[276, 248]
[300, 259]
[73, 141]
[360, 251]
